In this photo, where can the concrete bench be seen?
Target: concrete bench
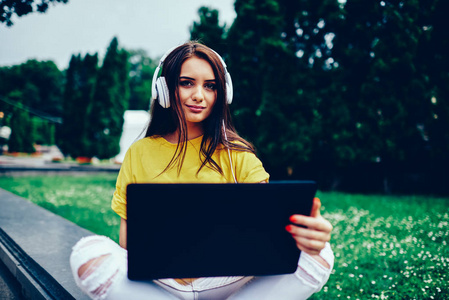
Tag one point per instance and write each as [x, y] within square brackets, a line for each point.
[35, 246]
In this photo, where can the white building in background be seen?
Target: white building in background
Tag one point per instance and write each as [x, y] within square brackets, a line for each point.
[136, 122]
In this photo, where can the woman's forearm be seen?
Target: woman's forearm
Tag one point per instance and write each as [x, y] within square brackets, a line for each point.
[123, 231]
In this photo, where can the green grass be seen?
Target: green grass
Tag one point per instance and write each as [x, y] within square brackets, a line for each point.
[386, 247]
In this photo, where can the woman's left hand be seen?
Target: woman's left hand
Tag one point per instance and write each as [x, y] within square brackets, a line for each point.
[314, 233]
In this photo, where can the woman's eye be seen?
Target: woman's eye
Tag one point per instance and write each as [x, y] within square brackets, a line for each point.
[185, 83]
[210, 86]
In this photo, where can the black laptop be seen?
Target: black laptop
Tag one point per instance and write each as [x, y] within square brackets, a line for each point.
[207, 230]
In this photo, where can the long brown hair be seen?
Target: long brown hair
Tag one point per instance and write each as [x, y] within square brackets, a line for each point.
[168, 120]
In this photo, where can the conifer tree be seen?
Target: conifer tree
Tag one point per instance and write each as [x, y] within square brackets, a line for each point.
[68, 133]
[80, 83]
[208, 30]
[111, 96]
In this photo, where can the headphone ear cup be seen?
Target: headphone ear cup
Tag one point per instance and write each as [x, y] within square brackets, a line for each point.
[229, 88]
[153, 84]
[162, 92]
[228, 94]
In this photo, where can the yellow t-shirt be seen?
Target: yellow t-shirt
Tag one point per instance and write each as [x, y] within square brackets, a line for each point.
[148, 157]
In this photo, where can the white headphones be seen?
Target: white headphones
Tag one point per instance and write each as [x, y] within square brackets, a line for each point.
[159, 88]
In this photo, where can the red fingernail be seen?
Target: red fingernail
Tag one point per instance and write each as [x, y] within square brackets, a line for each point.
[288, 228]
[292, 219]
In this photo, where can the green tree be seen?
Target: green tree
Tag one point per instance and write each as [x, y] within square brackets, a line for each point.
[377, 48]
[111, 97]
[80, 83]
[40, 83]
[48, 79]
[248, 40]
[34, 87]
[342, 84]
[208, 30]
[319, 110]
[141, 72]
[271, 108]
[9, 8]
[435, 46]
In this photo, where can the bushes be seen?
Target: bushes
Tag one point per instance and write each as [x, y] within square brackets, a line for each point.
[22, 138]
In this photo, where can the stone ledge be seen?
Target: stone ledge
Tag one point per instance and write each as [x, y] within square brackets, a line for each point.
[55, 169]
[35, 246]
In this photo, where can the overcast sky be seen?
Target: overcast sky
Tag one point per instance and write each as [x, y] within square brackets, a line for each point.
[88, 26]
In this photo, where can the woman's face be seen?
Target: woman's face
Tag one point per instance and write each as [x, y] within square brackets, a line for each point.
[197, 90]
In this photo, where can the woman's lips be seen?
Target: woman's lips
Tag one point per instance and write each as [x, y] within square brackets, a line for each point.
[195, 108]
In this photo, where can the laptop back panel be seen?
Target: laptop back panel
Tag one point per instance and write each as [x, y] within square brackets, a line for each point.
[206, 230]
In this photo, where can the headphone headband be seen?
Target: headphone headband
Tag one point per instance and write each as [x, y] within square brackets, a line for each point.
[159, 87]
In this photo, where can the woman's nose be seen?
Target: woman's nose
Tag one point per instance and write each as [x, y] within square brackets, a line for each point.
[198, 94]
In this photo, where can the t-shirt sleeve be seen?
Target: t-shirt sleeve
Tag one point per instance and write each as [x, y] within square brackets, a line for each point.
[124, 178]
[249, 168]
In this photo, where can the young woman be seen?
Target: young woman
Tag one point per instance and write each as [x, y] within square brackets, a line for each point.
[191, 139]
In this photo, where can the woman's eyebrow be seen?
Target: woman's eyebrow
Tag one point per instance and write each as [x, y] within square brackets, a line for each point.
[190, 78]
[186, 77]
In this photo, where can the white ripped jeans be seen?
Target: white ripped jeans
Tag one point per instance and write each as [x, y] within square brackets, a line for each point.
[107, 278]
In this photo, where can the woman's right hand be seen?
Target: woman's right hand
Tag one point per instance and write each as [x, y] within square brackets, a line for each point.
[311, 233]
